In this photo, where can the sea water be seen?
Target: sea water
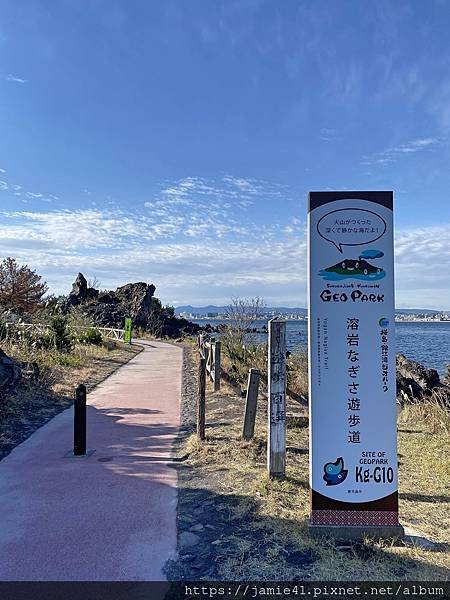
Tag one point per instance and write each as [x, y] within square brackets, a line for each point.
[427, 343]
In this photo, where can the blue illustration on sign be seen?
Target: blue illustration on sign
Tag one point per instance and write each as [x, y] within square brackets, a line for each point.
[355, 268]
[335, 472]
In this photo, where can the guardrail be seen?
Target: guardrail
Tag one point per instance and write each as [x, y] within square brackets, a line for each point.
[210, 350]
[108, 332]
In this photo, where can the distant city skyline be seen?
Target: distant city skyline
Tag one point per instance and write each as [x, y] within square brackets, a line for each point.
[175, 143]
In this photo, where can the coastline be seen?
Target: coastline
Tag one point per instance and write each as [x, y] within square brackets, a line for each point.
[305, 319]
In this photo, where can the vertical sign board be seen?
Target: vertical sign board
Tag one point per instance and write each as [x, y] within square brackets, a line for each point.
[353, 445]
[127, 333]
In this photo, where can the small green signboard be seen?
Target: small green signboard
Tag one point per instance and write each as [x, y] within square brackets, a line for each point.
[127, 332]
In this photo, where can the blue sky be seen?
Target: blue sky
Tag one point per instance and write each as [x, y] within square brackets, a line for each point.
[175, 142]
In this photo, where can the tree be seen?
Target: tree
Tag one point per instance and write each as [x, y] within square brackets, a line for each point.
[21, 289]
[242, 316]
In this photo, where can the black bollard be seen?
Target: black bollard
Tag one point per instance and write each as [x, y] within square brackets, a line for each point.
[79, 425]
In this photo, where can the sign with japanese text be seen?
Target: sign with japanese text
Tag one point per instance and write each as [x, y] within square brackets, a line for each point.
[127, 332]
[352, 384]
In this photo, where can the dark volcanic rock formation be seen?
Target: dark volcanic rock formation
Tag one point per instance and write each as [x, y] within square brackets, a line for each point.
[10, 372]
[80, 292]
[137, 297]
[415, 379]
[135, 300]
[446, 377]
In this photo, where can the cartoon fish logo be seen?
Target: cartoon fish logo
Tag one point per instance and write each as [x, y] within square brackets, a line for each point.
[335, 472]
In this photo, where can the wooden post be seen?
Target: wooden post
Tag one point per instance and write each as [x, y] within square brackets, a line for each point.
[79, 422]
[250, 404]
[205, 354]
[217, 351]
[276, 442]
[210, 363]
[201, 399]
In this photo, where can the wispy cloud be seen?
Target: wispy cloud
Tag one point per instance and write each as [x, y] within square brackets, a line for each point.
[203, 255]
[201, 260]
[15, 79]
[204, 207]
[390, 155]
[327, 134]
[25, 196]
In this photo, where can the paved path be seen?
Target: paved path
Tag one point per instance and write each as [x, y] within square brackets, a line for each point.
[111, 516]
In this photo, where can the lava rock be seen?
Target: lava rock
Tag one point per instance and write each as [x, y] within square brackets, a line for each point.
[10, 372]
[79, 287]
[414, 379]
[187, 540]
[135, 300]
[80, 292]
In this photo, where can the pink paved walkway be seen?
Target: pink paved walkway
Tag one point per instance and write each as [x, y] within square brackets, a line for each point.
[108, 517]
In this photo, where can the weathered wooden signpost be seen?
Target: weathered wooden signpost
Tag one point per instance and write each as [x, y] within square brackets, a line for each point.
[276, 443]
[251, 402]
[352, 383]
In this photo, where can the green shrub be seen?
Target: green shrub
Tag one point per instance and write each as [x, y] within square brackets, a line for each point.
[90, 336]
[57, 336]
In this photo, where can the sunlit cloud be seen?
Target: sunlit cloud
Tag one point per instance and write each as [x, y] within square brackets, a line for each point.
[200, 259]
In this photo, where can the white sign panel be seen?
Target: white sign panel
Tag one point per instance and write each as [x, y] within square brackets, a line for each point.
[353, 464]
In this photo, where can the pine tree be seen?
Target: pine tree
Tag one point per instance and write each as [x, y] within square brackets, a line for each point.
[21, 289]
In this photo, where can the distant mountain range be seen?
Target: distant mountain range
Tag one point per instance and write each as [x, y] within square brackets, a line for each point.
[283, 310]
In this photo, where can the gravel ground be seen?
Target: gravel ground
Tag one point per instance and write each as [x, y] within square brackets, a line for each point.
[189, 388]
[234, 524]
[213, 521]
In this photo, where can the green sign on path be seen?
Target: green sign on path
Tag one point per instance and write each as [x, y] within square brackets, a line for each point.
[127, 333]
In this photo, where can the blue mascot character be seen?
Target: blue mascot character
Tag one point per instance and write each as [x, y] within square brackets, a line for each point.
[335, 472]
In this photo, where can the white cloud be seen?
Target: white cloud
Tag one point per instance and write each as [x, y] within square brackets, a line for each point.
[201, 259]
[15, 79]
[390, 155]
[327, 134]
[6, 186]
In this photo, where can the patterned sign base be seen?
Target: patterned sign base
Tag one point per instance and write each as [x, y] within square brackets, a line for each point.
[354, 517]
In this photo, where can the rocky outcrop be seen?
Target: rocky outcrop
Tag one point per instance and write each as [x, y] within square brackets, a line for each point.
[135, 300]
[80, 292]
[137, 297]
[446, 378]
[175, 327]
[10, 373]
[413, 379]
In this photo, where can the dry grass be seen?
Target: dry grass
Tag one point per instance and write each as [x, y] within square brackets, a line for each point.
[268, 519]
[256, 357]
[432, 410]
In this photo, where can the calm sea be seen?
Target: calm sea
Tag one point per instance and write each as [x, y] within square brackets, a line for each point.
[428, 343]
